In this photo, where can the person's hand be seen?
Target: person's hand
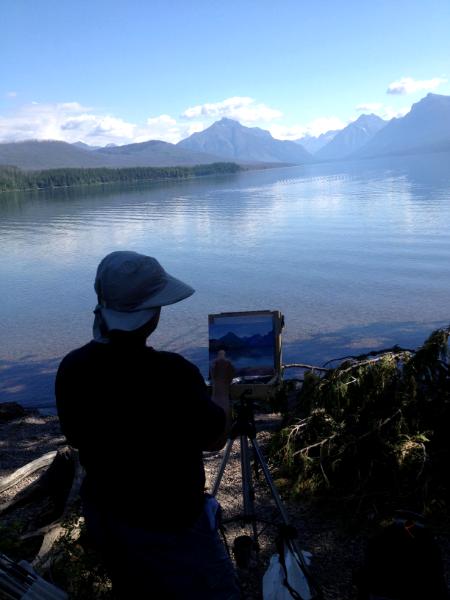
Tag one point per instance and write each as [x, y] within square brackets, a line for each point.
[222, 370]
[222, 373]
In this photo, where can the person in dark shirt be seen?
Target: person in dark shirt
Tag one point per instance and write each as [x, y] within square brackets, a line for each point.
[140, 419]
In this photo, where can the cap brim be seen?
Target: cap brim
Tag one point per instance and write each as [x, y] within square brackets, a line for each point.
[173, 291]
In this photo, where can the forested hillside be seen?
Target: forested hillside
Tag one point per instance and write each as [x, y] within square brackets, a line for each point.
[12, 178]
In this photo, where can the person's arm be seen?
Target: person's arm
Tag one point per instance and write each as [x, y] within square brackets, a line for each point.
[67, 399]
[222, 373]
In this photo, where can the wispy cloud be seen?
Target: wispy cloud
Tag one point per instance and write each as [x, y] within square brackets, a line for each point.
[72, 122]
[389, 112]
[369, 107]
[313, 128]
[11, 94]
[66, 121]
[408, 85]
[165, 127]
[382, 110]
[242, 108]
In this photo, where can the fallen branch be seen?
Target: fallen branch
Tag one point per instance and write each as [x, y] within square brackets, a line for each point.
[303, 366]
[364, 363]
[394, 350]
[11, 480]
[321, 443]
[53, 532]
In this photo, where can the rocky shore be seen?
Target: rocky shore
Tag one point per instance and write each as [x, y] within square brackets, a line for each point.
[24, 436]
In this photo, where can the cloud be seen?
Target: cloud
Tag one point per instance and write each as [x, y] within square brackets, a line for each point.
[408, 85]
[313, 128]
[240, 108]
[166, 128]
[72, 122]
[66, 121]
[369, 107]
[382, 110]
[11, 94]
[389, 112]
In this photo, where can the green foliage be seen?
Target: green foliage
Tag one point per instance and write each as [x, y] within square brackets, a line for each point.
[77, 568]
[374, 429]
[10, 543]
[12, 178]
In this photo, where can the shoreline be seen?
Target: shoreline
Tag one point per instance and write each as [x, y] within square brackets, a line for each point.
[241, 168]
[179, 173]
[26, 437]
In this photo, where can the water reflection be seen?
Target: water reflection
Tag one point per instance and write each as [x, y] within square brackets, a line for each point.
[347, 252]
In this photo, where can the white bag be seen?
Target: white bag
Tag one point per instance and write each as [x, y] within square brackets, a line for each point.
[274, 586]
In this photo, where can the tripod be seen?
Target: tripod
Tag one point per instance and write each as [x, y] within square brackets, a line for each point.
[244, 428]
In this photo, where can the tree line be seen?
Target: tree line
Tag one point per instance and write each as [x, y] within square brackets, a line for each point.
[13, 178]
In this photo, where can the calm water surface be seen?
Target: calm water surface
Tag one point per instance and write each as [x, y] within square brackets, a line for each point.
[356, 256]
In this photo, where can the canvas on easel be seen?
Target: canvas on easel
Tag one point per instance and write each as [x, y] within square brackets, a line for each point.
[250, 340]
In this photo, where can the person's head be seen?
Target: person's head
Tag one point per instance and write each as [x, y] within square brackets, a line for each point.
[131, 288]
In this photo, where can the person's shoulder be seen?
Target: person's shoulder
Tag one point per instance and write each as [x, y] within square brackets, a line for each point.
[172, 357]
[81, 354]
[176, 361]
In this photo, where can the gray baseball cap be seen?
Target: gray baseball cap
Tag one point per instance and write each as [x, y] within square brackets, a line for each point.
[130, 287]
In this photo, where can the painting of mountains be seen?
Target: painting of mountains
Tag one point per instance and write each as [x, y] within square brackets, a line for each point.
[248, 340]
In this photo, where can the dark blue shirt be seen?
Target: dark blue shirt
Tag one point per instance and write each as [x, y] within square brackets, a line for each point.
[140, 419]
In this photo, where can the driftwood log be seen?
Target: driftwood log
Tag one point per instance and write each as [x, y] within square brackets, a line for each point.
[35, 465]
[61, 483]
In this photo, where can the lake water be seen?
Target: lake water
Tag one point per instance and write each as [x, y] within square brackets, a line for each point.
[355, 255]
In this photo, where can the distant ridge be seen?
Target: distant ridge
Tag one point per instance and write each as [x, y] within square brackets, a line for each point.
[84, 146]
[426, 128]
[36, 155]
[314, 143]
[155, 153]
[232, 141]
[351, 138]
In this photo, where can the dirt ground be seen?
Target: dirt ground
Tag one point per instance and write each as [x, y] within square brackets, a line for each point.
[336, 544]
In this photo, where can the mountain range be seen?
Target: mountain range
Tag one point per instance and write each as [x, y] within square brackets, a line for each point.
[314, 143]
[233, 141]
[51, 154]
[232, 341]
[426, 128]
[351, 138]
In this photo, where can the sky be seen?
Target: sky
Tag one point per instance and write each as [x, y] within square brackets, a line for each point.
[110, 71]
[242, 326]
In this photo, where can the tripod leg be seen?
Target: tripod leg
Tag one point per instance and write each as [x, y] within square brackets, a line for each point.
[269, 480]
[284, 516]
[223, 464]
[248, 492]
